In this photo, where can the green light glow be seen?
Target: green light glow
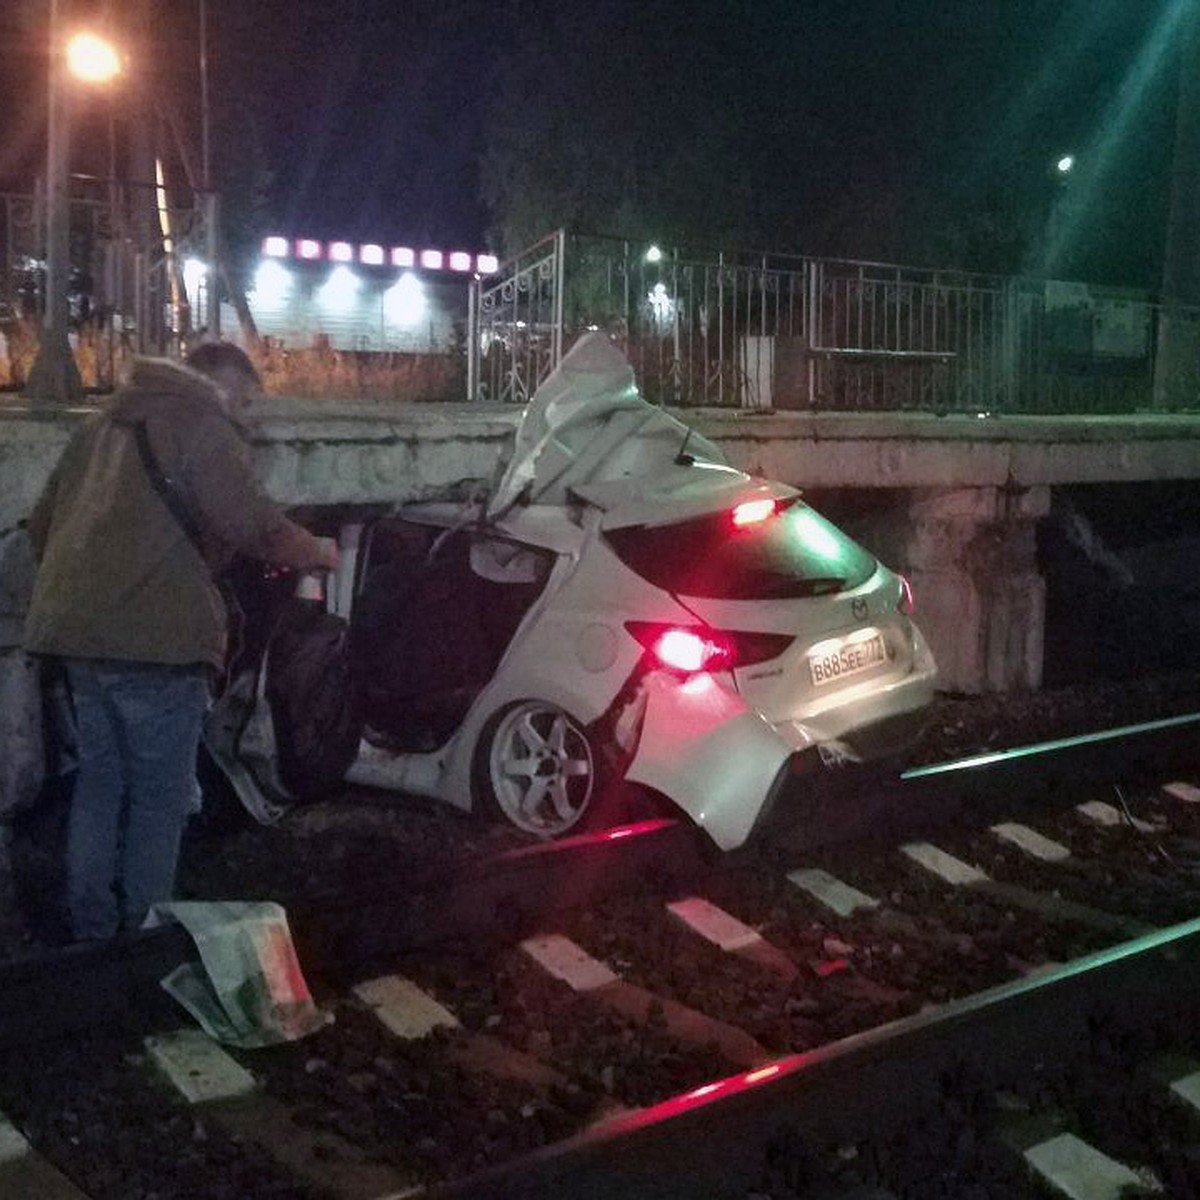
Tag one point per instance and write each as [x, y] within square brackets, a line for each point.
[1115, 128]
[816, 535]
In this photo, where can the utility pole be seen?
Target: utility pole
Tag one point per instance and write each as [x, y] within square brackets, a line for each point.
[54, 377]
[205, 149]
[212, 295]
[149, 301]
[1177, 360]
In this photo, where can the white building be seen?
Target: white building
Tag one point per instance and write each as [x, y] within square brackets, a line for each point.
[356, 297]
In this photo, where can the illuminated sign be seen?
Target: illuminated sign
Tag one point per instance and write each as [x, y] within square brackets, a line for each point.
[373, 254]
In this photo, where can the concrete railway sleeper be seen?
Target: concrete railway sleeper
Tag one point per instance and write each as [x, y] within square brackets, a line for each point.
[984, 1011]
[1010, 1092]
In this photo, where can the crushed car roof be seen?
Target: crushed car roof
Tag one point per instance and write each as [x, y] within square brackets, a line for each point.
[587, 424]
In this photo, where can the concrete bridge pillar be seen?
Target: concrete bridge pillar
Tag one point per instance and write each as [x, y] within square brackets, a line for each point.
[971, 553]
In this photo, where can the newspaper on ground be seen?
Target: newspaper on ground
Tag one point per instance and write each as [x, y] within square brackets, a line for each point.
[248, 989]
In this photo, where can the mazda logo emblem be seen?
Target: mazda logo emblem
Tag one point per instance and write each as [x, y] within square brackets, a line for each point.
[859, 608]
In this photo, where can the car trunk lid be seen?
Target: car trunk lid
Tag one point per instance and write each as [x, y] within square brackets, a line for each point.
[842, 644]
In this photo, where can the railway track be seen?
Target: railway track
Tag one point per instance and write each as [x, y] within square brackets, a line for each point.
[1000, 981]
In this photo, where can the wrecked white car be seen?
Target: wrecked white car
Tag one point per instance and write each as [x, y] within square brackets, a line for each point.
[623, 609]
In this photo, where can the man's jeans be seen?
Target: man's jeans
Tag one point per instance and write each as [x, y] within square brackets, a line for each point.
[138, 728]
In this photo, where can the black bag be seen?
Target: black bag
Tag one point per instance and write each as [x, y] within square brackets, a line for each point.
[313, 701]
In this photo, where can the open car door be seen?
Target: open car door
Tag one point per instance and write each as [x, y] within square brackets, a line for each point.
[287, 725]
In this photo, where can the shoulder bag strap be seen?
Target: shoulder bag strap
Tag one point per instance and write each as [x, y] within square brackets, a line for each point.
[165, 486]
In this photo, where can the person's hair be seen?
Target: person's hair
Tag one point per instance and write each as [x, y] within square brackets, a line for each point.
[213, 357]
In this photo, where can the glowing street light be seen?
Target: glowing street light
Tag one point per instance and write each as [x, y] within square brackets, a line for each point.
[54, 375]
[92, 59]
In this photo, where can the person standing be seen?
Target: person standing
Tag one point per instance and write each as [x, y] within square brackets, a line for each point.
[151, 498]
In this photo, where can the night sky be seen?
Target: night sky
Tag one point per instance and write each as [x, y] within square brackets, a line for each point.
[924, 130]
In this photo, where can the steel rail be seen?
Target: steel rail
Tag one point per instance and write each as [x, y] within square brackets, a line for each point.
[113, 983]
[502, 897]
[506, 895]
[116, 982]
[821, 807]
[715, 1141]
[1147, 734]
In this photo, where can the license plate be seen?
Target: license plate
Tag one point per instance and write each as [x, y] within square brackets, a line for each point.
[835, 660]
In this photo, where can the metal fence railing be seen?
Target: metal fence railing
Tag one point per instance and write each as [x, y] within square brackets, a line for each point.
[515, 324]
[770, 331]
[128, 250]
[701, 327]
[773, 331]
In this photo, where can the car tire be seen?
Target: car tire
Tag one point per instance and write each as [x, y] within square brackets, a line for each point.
[536, 768]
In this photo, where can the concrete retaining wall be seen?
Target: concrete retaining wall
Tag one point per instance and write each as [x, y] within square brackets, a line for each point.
[968, 492]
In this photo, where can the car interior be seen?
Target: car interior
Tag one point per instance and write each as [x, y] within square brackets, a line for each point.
[434, 611]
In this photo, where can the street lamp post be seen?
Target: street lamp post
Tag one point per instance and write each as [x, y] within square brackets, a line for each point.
[212, 298]
[54, 377]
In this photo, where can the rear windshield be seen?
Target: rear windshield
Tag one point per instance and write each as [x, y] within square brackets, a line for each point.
[794, 553]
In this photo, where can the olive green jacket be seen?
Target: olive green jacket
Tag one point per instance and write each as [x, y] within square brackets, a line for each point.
[118, 577]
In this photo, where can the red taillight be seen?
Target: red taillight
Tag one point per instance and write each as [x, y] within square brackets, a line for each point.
[687, 650]
[751, 512]
[906, 604]
[693, 648]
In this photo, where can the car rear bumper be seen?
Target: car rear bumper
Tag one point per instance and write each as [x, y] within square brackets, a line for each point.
[704, 749]
[888, 737]
[883, 737]
[870, 723]
[723, 763]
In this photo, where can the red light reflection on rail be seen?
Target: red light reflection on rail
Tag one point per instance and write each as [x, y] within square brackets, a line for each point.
[722, 1087]
[763, 1073]
[633, 829]
[601, 837]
